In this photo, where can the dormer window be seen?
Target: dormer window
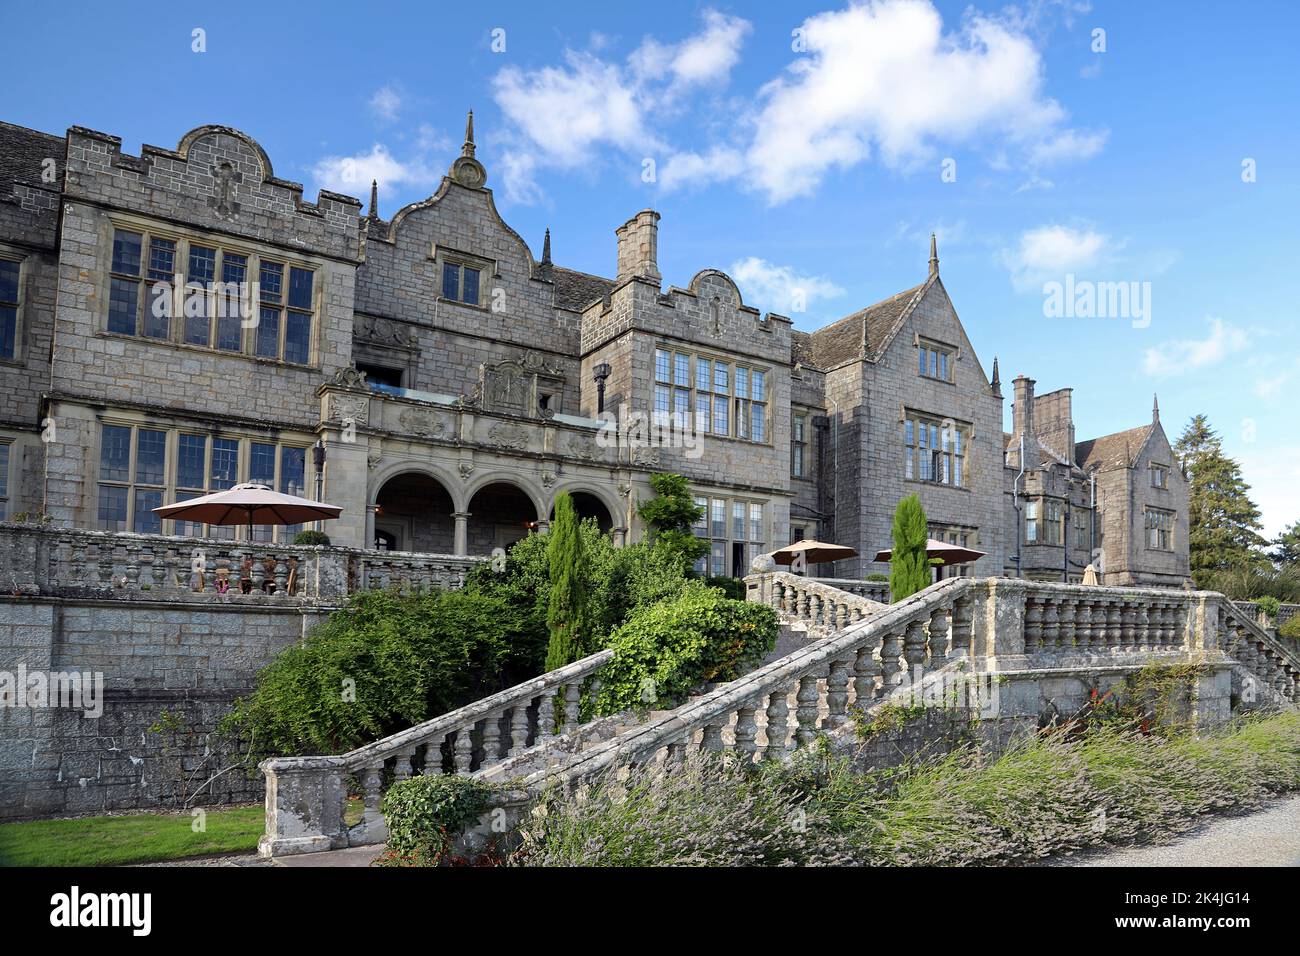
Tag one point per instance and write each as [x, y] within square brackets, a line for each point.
[460, 283]
[934, 361]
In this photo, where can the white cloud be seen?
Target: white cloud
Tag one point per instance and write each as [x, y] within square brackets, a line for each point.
[563, 116]
[1050, 252]
[1186, 355]
[386, 102]
[883, 78]
[351, 175]
[1270, 387]
[779, 288]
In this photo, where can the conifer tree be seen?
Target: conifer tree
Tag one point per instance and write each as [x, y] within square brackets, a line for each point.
[1223, 523]
[1286, 546]
[566, 612]
[670, 515]
[909, 565]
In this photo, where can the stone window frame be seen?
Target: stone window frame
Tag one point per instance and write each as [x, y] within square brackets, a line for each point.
[12, 254]
[485, 267]
[170, 488]
[956, 462]
[715, 564]
[718, 396]
[939, 356]
[1159, 525]
[1159, 475]
[799, 444]
[254, 254]
[6, 465]
[1081, 518]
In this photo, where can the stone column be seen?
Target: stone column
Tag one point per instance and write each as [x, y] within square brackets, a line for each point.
[620, 536]
[461, 538]
[370, 525]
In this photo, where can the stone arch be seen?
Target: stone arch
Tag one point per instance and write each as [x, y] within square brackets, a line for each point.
[500, 509]
[699, 279]
[412, 509]
[602, 497]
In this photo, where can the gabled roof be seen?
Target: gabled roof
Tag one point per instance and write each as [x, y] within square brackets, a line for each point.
[23, 151]
[577, 290]
[843, 341]
[801, 348]
[1119, 450]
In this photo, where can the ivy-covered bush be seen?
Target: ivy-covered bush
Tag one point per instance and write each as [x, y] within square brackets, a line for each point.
[424, 813]
[312, 538]
[1269, 605]
[1291, 627]
[668, 648]
[384, 662]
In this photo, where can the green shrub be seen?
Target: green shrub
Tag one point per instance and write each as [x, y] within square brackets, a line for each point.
[313, 538]
[909, 565]
[733, 588]
[1291, 627]
[670, 515]
[1269, 605]
[877, 576]
[667, 649]
[384, 662]
[425, 813]
[617, 581]
[567, 620]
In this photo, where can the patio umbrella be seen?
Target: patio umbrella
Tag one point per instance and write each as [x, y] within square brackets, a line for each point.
[249, 503]
[1090, 575]
[814, 552]
[940, 552]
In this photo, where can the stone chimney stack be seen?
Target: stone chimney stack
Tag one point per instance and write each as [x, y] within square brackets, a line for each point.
[1022, 421]
[638, 246]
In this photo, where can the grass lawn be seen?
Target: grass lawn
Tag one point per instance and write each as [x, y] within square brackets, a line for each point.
[136, 838]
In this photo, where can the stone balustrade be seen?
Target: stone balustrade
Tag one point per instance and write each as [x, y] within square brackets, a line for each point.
[1272, 666]
[819, 605]
[863, 663]
[875, 590]
[56, 561]
[306, 796]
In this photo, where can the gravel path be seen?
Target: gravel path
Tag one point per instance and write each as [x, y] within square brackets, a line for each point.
[1268, 837]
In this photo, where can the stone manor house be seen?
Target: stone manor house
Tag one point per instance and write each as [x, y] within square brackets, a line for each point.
[179, 321]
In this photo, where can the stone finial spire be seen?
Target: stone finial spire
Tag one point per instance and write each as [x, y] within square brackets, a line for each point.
[1155, 409]
[374, 199]
[997, 377]
[544, 267]
[468, 148]
[934, 257]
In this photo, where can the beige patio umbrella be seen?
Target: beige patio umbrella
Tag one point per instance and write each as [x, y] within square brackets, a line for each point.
[1090, 575]
[249, 503]
[940, 553]
[814, 552]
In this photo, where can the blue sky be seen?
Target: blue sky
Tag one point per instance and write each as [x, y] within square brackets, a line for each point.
[808, 148]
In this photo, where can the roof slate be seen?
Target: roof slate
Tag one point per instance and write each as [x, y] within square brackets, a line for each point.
[577, 290]
[23, 151]
[1112, 451]
[842, 341]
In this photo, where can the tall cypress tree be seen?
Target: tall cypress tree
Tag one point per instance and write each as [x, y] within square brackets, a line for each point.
[909, 565]
[1223, 522]
[566, 611]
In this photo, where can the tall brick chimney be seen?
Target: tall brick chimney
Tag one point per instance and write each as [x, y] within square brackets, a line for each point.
[638, 246]
[1022, 422]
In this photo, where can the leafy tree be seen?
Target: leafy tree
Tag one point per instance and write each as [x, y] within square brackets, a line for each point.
[909, 566]
[1223, 522]
[566, 613]
[1286, 546]
[670, 515]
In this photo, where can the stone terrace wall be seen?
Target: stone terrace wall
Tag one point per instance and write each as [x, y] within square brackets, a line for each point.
[162, 662]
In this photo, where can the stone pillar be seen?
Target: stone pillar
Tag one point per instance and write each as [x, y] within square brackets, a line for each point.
[543, 525]
[620, 536]
[304, 806]
[461, 538]
[370, 525]
[998, 623]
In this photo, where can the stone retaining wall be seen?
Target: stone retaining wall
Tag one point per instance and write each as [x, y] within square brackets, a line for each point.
[170, 671]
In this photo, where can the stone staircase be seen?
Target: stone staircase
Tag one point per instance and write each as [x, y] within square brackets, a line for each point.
[1016, 643]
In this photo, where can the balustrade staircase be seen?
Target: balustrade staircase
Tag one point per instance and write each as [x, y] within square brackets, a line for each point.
[849, 651]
